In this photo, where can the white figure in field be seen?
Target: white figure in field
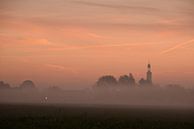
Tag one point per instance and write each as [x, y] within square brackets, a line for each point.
[46, 99]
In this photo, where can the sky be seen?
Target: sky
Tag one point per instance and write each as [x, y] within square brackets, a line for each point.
[71, 43]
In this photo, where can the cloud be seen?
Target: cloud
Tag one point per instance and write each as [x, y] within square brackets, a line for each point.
[64, 47]
[119, 45]
[177, 46]
[24, 41]
[35, 41]
[62, 68]
[59, 67]
[94, 35]
[140, 8]
[152, 22]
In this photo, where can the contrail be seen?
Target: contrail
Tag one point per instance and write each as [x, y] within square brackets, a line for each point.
[177, 46]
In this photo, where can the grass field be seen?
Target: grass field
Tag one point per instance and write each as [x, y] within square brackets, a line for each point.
[26, 116]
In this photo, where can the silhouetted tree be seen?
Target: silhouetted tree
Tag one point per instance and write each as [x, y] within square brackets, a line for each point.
[107, 80]
[142, 81]
[174, 86]
[55, 89]
[127, 80]
[131, 80]
[4, 85]
[27, 84]
[124, 80]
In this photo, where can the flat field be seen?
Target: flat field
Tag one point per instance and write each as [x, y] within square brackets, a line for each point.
[50, 116]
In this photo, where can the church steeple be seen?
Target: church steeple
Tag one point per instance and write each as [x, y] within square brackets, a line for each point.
[149, 74]
[149, 67]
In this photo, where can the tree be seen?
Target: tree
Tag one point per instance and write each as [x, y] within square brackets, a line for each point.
[4, 85]
[143, 82]
[127, 80]
[131, 80]
[107, 81]
[124, 80]
[27, 84]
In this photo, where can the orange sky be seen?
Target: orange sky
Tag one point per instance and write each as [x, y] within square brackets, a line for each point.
[71, 42]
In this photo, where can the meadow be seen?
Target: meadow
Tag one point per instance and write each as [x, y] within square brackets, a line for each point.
[55, 116]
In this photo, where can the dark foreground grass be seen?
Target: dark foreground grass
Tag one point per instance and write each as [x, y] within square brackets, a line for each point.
[93, 117]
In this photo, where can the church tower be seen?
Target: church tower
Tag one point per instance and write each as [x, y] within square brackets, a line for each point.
[149, 74]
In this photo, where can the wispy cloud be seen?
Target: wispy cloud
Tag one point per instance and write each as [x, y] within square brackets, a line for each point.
[119, 45]
[177, 46]
[97, 46]
[141, 8]
[61, 68]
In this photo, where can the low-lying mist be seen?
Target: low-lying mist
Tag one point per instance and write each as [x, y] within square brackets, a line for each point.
[153, 96]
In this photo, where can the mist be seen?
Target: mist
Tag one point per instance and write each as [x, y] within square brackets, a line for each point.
[123, 96]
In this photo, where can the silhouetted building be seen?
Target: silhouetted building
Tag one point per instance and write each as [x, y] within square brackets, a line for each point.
[125, 80]
[149, 74]
[27, 84]
[148, 80]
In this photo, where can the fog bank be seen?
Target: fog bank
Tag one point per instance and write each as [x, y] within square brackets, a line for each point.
[155, 96]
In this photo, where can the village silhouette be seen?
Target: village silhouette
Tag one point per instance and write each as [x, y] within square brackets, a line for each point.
[125, 80]
[105, 81]
[106, 90]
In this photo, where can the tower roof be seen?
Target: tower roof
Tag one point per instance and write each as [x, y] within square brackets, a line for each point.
[149, 65]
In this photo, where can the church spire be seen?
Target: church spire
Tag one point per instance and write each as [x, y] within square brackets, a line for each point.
[149, 74]
[149, 67]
